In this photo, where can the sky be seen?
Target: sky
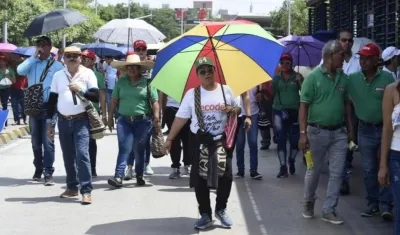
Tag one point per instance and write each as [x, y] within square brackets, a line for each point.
[233, 6]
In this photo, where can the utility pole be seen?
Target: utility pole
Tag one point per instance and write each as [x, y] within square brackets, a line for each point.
[251, 7]
[289, 15]
[129, 8]
[64, 42]
[182, 12]
[5, 28]
[95, 5]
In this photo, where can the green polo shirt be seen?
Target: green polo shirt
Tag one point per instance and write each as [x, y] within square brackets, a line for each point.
[133, 99]
[325, 97]
[2, 75]
[288, 97]
[101, 84]
[367, 97]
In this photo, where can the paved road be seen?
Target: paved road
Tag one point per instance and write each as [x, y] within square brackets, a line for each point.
[268, 207]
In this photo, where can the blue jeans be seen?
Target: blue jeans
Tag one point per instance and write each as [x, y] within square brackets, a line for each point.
[17, 104]
[369, 144]
[131, 158]
[132, 136]
[394, 174]
[286, 129]
[42, 146]
[252, 136]
[74, 141]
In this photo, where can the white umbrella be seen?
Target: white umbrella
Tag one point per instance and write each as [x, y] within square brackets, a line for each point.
[359, 43]
[126, 31]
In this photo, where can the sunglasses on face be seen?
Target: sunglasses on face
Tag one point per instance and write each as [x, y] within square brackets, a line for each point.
[42, 44]
[349, 40]
[285, 62]
[205, 71]
[71, 56]
[132, 67]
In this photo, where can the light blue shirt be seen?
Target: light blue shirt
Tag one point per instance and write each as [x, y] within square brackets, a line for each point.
[33, 69]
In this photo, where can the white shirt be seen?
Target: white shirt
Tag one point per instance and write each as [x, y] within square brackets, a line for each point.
[254, 109]
[172, 103]
[86, 80]
[212, 103]
[352, 66]
[391, 72]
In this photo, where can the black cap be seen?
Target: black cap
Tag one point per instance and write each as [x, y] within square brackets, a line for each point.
[44, 39]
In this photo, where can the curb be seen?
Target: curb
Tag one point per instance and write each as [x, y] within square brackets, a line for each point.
[9, 136]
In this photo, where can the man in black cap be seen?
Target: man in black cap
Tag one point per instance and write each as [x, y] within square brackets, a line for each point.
[40, 69]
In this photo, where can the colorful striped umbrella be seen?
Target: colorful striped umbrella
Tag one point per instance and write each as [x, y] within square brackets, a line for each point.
[245, 56]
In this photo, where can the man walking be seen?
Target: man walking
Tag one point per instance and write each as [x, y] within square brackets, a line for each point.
[40, 69]
[324, 102]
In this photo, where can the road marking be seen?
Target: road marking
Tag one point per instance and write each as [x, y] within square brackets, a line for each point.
[263, 229]
[12, 145]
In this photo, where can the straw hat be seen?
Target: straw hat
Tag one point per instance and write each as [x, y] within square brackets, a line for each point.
[132, 60]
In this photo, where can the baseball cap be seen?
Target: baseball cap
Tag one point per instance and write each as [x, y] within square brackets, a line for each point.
[44, 39]
[370, 49]
[286, 56]
[72, 50]
[204, 61]
[139, 43]
[389, 53]
[89, 54]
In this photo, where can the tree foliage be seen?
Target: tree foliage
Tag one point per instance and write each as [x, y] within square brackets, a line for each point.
[19, 14]
[299, 17]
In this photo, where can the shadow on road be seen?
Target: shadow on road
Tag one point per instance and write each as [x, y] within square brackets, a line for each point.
[35, 200]
[164, 226]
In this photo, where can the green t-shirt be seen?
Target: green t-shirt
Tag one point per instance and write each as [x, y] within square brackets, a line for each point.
[288, 97]
[2, 76]
[325, 96]
[133, 99]
[367, 97]
[101, 84]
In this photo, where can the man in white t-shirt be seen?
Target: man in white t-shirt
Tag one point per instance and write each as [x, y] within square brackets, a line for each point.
[215, 104]
[67, 87]
[390, 60]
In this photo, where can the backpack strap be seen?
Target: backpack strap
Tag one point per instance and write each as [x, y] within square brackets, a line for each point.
[197, 107]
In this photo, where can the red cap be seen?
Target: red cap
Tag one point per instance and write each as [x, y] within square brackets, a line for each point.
[286, 56]
[370, 49]
[89, 54]
[139, 43]
[2, 57]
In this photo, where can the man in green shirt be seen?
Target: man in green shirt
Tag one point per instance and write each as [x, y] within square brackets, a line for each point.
[366, 91]
[7, 77]
[88, 60]
[324, 102]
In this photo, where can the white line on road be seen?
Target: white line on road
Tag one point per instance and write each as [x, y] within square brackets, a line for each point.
[263, 229]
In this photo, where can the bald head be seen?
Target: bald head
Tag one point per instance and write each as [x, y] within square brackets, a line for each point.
[333, 54]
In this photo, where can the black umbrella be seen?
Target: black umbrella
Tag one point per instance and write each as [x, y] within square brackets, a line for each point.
[52, 21]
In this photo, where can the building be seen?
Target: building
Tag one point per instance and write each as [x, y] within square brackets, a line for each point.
[146, 6]
[374, 19]
[165, 6]
[203, 4]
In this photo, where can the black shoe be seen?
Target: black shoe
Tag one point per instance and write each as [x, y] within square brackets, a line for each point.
[239, 175]
[139, 180]
[264, 147]
[292, 167]
[371, 211]
[94, 173]
[115, 182]
[387, 216]
[345, 188]
[48, 181]
[282, 172]
[255, 175]
[38, 175]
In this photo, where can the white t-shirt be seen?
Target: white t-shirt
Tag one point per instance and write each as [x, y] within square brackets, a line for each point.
[172, 103]
[86, 80]
[212, 103]
[254, 109]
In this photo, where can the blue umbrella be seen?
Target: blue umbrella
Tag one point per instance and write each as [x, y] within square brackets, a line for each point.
[104, 49]
[3, 118]
[26, 51]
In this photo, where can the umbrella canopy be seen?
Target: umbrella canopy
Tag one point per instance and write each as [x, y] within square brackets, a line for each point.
[77, 44]
[245, 55]
[7, 47]
[126, 31]
[27, 51]
[52, 21]
[360, 42]
[104, 49]
[305, 50]
[3, 119]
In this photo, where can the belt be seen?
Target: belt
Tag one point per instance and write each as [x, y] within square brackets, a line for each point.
[329, 128]
[73, 117]
[137, 117]
[376, 124]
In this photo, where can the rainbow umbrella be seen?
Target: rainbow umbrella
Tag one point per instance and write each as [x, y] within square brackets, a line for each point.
[245, 56]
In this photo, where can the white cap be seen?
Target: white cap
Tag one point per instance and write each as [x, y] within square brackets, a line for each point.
[389, 53]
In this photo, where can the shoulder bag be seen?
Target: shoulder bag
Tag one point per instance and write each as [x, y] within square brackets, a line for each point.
[262, 120]
[33, 95]
[157, 137]
[97, 127]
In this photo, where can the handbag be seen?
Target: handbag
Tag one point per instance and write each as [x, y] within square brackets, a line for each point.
[33, 95]
[157, 137]
[263, 122]
[97, 127]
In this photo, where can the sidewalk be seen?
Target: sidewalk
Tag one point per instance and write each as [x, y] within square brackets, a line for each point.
[12, 132]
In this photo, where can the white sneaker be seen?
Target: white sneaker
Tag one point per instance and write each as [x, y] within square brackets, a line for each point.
[128, 174]
[148, 170]
[186, 170]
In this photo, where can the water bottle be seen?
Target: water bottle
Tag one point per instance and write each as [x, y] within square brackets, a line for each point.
[309, 160]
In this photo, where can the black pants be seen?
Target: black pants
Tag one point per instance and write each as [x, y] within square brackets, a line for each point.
[92, 152]
[266, 134]
[203, 194]
[182, 137]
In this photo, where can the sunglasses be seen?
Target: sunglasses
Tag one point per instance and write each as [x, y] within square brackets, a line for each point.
[141, 49]
[349, 40]
[42, 44]
[206, 71]
[132, 67]
[285, 62]
[71, 56]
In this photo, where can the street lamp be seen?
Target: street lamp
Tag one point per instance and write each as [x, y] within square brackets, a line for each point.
[289, 15]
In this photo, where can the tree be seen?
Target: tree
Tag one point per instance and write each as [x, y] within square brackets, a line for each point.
[164, 20]
[299, 19]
